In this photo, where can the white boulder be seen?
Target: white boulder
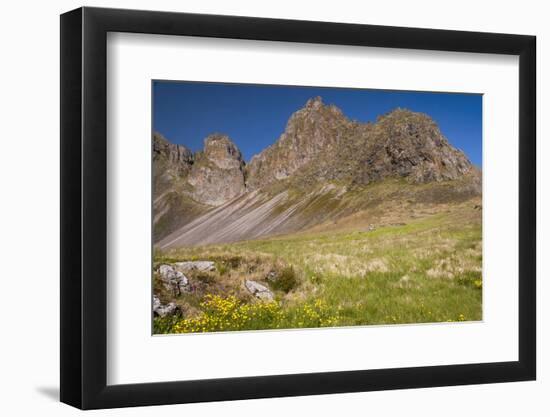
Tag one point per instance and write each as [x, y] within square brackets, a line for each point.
[162, 310]
[173, 280]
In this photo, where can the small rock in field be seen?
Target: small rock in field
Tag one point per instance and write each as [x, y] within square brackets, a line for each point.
[201, 266]
[173, 280]
[163, 310]
[258, 290]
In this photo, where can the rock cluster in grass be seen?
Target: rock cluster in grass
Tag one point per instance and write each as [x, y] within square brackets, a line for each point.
[173, 280]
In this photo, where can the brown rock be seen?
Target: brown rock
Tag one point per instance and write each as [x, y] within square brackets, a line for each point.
[217, 175]
[178, 156]
[320, 144]
[311, 133]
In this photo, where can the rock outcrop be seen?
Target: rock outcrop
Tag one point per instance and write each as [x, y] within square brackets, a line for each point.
[186, 185]
[171, 206]
[217, 174]
[163, 310]
[200, 266]
[410, 145]
[173, 280]
[320, 143]
[312, 133]
[170, 163]
[179, 156]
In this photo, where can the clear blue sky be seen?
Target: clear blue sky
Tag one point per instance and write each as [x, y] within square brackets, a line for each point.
[254, 116]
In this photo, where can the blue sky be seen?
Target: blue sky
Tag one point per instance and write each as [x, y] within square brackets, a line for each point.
[254, 116]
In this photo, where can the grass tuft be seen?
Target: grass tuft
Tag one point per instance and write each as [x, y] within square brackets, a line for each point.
[286, 281]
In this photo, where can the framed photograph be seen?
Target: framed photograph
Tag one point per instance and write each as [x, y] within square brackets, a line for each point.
[257, 208]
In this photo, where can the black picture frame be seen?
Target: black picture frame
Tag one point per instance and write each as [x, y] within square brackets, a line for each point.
[84, 207]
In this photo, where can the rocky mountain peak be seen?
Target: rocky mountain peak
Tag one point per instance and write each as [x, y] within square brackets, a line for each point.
[316, 109]
[176, 154]
[221, 150]
[314, 103]
[314, 129]
[320, 143]
[170, 161]
[400, 117]
[414, 147]
[218, 171]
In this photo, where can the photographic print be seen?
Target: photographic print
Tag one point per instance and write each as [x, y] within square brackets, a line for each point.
[283, 207]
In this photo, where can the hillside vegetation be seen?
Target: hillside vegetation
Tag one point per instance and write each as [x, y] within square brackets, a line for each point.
[425, 270]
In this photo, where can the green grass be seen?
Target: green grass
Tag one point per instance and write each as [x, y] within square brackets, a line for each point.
[427, 270]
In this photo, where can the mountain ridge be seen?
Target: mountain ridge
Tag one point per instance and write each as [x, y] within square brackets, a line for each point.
[318, 146]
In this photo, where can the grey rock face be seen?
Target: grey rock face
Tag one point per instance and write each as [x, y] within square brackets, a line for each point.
[320, 143]
[413, 147]
[163, 310]
[179, 156]
[171, 165]
[186, 185]
[258, 290]
[217, 175]
[173, 280]
[311, 132]
[223, 152]
[201, 266]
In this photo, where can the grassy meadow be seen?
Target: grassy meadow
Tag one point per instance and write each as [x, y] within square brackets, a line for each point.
[422, 269]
